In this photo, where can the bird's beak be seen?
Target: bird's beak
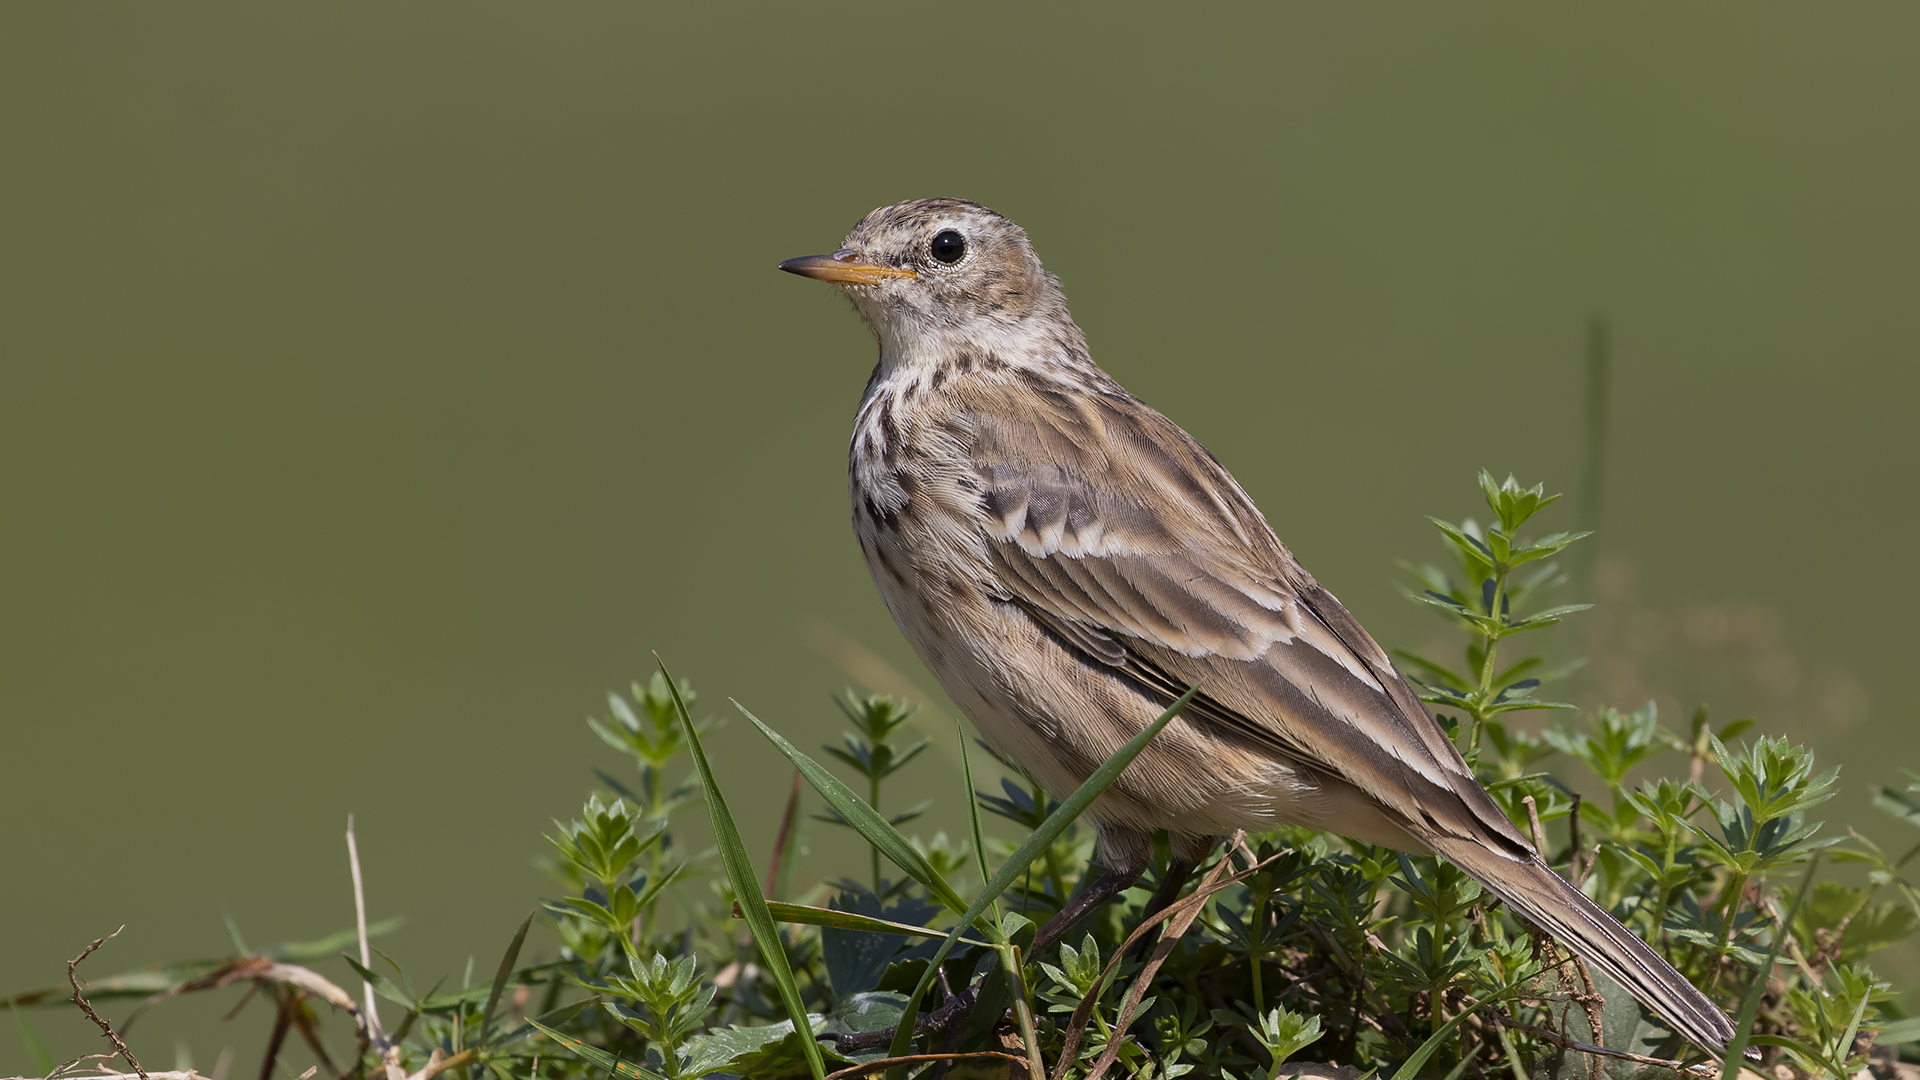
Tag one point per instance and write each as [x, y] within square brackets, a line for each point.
[843, 268]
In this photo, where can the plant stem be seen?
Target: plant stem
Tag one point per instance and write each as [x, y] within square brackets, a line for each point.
[655, 777]
[1730, 903]
[1256, 939]
[873, 800]
[1056, 878]
[1022, 1008]
[1660, 902]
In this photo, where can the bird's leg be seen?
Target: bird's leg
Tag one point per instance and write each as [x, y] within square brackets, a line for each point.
[1178, 871]
[1109, 885]
[953, 1010]
[1185, 855]
[951, 1042]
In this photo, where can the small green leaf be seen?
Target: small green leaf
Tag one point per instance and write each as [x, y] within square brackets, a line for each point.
[1900, 1031]
[501, 976]
[297, 952]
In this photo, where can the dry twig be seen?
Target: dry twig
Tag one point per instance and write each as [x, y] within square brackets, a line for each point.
[780, 838]
[376, 1034]
[1590, 1001]
[1564, 1042]
[1179, 917]
[867, 1068]
[112, 1075]
[282, 1020]
[372, 1014]
[85, 1007]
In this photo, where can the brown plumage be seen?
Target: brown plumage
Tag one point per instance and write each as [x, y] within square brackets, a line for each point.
[1068, 561]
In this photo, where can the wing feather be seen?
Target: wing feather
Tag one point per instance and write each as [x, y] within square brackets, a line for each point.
[1120, 535]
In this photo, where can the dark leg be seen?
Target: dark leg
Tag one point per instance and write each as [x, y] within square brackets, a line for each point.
[1109, 885]
[1178, 871]
[955, 1026]
[952, 1012]
[1188, 853]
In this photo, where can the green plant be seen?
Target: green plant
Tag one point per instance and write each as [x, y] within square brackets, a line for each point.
[1300, 943]
[871, 751]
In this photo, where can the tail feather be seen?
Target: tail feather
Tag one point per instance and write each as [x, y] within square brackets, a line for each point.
[1546, 899]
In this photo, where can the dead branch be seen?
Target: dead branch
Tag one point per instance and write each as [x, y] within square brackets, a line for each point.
[372, 1014]
[1179, 917]
[1590, 1001]
[920, 1059]
[282, 1020]
[112, 1075]
[1566, 1043]
[85, 1007]
[780, 838]
[373, 1032]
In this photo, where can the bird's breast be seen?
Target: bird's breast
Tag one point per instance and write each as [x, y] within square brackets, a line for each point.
[917, 503]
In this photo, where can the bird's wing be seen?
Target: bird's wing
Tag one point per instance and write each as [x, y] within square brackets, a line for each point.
[1121, 535]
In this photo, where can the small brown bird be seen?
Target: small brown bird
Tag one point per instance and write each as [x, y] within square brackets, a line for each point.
[1068, 561]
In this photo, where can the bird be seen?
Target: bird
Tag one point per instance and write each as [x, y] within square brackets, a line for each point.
[1068, 562]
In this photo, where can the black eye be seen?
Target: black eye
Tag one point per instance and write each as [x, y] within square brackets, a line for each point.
[948, 247]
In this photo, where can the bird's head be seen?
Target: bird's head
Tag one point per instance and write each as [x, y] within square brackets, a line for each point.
[935, 274]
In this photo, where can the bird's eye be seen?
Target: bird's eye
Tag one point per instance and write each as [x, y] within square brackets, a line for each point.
[948, 247]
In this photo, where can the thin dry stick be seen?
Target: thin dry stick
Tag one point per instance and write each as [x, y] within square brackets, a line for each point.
[303, 1022]
[1169, 940]
[282, 1020]
[1533, 822]
[80, 1000]
[868, 1067]
[1179, 918]
[780, 838]
[109, 1074]
[1598, 1051]
[434, 1068]
[1587, 864]
[1590, 1001]
[1083, 1013]
[374, 1029]
[1574, 873]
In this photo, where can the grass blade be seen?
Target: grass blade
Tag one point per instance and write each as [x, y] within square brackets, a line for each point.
[43, 1062]
[1411, 1068]
[864, 819]
[1750, 1008]
[1413, 1065]
[746, 887]
[973, 809]
[597, 1057]
[501, 976]
[807, 915]
[1846, 1040]
[1049, 830]
[556, 1017]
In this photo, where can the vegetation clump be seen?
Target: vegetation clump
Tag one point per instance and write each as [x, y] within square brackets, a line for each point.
[1294, 944]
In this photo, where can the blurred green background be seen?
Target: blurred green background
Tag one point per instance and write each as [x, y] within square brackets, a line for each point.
[380, 383]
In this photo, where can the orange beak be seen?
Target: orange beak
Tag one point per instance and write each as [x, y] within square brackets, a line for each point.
[843, 268]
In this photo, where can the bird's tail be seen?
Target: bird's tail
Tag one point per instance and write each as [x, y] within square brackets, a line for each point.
[1547, 900]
